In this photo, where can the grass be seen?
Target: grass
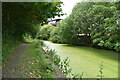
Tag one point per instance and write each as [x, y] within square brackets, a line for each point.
[34, 59]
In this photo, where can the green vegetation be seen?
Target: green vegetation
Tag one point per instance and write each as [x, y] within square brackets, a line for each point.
[21, 19]
[92, 24]
[54, 36]
[35, 59]
[49, 32]
[51, 54]
[44, 32]
[65, 68]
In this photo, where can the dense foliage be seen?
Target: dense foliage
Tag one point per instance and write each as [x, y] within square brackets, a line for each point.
[20, 18]
[49, 32]
[23, 17]
[54, 36]
[44, 32]
[94, 24]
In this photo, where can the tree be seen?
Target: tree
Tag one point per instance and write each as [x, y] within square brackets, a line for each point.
[92, 21]
[54, 36]
[21, 18]
[45, 31]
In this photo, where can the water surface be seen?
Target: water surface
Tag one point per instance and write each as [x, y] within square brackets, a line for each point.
[88, 60]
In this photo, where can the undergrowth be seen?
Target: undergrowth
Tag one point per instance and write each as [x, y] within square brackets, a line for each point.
[36, 61]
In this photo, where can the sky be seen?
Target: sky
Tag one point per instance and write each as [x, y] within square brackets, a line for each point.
[67, 7]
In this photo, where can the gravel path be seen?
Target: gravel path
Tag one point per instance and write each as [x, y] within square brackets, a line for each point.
[12, 68]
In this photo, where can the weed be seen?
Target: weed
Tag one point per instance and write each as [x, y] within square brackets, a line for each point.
[101, 71]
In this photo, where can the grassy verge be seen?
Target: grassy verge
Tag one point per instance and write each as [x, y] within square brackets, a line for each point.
[34, 59]
[7, 48]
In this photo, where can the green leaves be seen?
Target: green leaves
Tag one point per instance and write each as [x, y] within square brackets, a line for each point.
[44, 32]
[97, 20]
[23, 18]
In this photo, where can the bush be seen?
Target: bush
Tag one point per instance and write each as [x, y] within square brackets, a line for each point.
[54, 36]
[117, 47]
[45, 31]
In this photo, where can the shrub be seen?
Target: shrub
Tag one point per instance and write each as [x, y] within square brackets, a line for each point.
[45, 31]
[54, 36]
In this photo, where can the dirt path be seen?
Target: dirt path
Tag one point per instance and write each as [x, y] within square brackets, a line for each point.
[15, 67]
[12, 68]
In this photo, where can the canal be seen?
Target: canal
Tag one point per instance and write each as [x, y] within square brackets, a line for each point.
[87, 59]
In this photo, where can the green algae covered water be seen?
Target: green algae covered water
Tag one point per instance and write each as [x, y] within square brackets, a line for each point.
[88, 60]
